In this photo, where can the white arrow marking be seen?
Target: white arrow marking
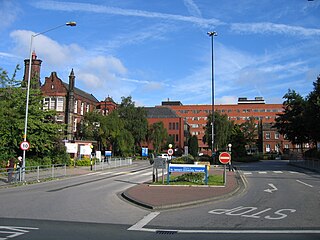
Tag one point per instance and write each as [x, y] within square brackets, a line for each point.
[271, 190]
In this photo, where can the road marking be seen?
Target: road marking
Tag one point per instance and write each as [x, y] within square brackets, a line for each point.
[262, 172]
[12, 232]
[273, 188]
[304, 183]
[247, 173]
[144, 221]
[277, 171]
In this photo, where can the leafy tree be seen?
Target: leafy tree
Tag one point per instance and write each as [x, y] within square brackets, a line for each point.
[291, 121]
[250, 132]
[238, 141]
[193, 146]
[135, 120]
[157, 135]
[222, 131]
[42, 133]
[312, 113]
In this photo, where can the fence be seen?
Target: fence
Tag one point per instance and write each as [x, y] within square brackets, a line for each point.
[40, 173]
[313, 164]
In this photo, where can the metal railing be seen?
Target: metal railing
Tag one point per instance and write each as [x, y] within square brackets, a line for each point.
[310, 163]
[47, 172]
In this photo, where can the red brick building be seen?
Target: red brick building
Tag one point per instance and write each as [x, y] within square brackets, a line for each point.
[196, 117]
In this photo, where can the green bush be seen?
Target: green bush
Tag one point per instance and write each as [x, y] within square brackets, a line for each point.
[83, 162]
[183, 160]
[190, 177]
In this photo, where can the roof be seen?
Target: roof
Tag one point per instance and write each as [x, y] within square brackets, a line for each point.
[160, 112]
[82, 93]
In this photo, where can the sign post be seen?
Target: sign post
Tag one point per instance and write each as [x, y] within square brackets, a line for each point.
[225, 158]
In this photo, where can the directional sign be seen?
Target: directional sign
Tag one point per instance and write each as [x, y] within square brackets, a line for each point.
[224, 157]
[186, 168]
[24, 145]
[170, 151]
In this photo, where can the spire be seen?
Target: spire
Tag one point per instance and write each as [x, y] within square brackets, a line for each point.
[71, 80]
[34, 55]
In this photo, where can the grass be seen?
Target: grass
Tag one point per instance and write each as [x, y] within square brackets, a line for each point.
[213, 180]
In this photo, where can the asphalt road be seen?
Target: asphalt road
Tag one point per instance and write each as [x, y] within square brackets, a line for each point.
[279, 202]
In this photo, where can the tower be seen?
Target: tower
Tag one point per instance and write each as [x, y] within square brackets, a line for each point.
[70, 105]
[35, 71]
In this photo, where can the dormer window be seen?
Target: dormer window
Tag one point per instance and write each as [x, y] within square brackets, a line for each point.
[52, 86]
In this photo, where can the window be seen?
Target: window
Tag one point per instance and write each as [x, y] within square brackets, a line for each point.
[87, 107]
[177, 138]
[277, 135]
[46, 102]
[267, 135]
[170, 125]
[82, 106]
[268, 148]
[60, 101]
[75, 106]
[177, 126]
[75, 125]
[59, 118]
[52, 104]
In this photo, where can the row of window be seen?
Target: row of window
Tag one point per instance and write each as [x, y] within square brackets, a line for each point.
[268, 135]
[248, 118]
[173, 126]
[175, 137]
[230, 110]
[57, 103]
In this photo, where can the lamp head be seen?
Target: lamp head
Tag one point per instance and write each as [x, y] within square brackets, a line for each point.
[71, 24]
[212, 34]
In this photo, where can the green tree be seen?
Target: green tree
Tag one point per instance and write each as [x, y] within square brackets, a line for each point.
[250, 131]
[222, 131]
[193, 146]
[312, 113]
[157, 135]
[135, 120]
[292, 121]
[238, 141]
[43, 134]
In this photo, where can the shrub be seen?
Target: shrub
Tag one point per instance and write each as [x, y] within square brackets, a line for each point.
[190, 177]
[183, 160]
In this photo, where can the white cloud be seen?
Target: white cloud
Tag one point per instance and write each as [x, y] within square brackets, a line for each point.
[267, 27]
[192, 8]
[94, 8]
[9, 11]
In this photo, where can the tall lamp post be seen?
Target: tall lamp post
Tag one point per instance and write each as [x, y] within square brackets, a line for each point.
[212, 35]
[71, 24]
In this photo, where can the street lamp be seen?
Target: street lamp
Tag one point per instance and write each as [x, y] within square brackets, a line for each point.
[71, 24]
[212, 35]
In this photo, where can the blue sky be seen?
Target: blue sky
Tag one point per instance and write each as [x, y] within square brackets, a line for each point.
[153, 50]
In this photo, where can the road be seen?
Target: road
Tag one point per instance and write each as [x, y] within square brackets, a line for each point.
[279, 202]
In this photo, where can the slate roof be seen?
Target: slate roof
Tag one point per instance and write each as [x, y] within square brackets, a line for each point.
[160, 112]
[82, 93]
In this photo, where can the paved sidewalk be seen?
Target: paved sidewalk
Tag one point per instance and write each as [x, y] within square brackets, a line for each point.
[170, 196]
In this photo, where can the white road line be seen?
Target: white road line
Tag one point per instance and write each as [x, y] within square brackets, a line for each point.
[105, 173]
[304, 183]
[247, 173]
[262, 172]
[277, 172]
[144, 221]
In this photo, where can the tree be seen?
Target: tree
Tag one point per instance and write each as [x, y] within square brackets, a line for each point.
[250, 132]
[157, 135]
[312, 112]
[292, 121]
[135, 120]
[193, 146]
[222, 131]
[42, 133]
[238, 141]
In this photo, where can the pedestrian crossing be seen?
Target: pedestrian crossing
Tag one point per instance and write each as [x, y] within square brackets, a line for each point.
[248, 173]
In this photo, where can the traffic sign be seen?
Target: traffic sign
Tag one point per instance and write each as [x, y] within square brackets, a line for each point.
[224, 157]
[24, 145]
[170, 151]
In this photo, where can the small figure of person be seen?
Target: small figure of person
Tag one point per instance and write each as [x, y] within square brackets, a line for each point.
[230, 167]
[18, 169]
[10, 169]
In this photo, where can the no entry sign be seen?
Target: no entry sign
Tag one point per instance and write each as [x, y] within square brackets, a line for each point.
[224, 157]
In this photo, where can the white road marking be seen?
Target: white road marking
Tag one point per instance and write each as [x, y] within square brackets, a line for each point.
[273, 188]
[304, 183]
[144, 221]
[262, 172]
[247, 173]
[277, 171]
[12, 232]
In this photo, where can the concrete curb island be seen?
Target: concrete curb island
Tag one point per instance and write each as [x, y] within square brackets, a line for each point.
[161, 197]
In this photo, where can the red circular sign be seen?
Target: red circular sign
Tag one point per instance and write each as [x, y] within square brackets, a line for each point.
[170, 151]
[224, 157]
[24, 145]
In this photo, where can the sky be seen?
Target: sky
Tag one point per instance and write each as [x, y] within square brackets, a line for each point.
[155, 50]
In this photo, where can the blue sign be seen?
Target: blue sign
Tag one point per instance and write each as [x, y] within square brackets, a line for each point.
[187, 168]
[144, 152]
[108, 153]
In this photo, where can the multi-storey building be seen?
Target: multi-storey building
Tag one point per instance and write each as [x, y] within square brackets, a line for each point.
[197, 115]
[69, 102]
